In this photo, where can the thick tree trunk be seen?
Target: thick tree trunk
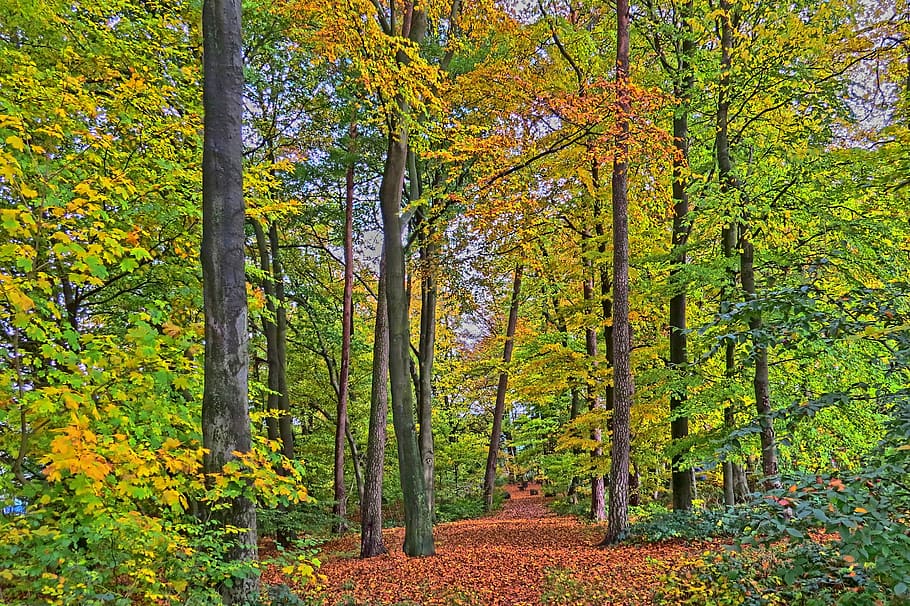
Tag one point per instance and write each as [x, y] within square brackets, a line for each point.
[623, 382]
[418, 524]
[225, 403]
[347, 325]
[371, 543]
[679, 426]
[489, 477]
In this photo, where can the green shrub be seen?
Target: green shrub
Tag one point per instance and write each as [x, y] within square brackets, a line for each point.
[692, 525]
[580, 509]
[466, 508]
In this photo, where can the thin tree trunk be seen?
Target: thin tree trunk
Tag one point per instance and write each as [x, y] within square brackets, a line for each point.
[598, 489]
[371, 543]
[747, 275]
[285, 425]
[760, 380]
[623, 382]
[728, 241]
[489, 478]
[426, 346]
[269, 329]
[225, 402]
[679, 426]
[598, 505]
[574, 407]
[347, 324]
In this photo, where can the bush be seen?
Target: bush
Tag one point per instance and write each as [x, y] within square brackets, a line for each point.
[580, 510]
[698, 524]
[799, 574]
[466, 508]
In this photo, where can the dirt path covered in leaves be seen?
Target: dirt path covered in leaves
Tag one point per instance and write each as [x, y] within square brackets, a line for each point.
[522, 555]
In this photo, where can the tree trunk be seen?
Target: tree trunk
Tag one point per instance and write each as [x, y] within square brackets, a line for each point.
[598, 505]
[426, 346]
[598, 500]
[269, 329]
[760, 380]
[747, 275]
[225, 403]
[418, 539]
[574, 407]
[623, 382]
[347, 325]
[679, 426]
[371, 543]
[489, 477]
[285, 425]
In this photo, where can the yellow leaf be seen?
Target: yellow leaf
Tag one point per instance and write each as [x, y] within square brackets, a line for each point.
[861, 510]
[15, 142]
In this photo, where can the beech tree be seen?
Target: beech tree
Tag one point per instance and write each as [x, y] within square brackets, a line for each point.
[225, 406]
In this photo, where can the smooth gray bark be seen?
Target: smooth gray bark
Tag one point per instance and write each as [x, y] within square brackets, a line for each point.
[225, 404]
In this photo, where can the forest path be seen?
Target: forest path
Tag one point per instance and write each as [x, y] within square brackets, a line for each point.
[522, 555]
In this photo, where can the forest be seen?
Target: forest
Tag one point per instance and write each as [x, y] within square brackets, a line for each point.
[454, 302]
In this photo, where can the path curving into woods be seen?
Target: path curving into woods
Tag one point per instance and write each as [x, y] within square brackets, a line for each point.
[522, 555]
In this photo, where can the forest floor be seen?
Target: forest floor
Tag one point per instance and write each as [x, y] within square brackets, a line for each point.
[523, 554]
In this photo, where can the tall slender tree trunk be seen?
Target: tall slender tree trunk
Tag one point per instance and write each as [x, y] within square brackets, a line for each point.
[347, 325]
[598, 489]
[285, 425]
[574, 409]
[418, 524]
[760, 381]
[371, 543]
[269, 329]
[593, 397]
[225, 402]
[729, 183]
[623, 382]
[489, 477]
[426, 346]
[679, 426]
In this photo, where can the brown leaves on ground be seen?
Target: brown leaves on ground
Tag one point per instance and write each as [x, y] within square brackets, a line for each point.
[522, 555]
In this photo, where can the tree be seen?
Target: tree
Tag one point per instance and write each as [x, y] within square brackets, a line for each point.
[418, 518]
[371, 543]
[489, 478]
[347, 321]
[623, 382]
[225, 406]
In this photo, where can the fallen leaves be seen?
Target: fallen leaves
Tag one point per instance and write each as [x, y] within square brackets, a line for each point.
[524, 554]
